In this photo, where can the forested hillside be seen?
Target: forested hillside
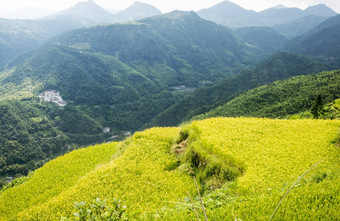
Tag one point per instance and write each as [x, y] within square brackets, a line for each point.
[279, 66]
[19, 36]
[282, 98]
[266, 38]
[28, 138]
[322, 42]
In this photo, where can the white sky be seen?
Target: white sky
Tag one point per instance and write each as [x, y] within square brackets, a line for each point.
[164, 5]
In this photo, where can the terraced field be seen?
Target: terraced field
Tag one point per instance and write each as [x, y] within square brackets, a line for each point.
[243, 167]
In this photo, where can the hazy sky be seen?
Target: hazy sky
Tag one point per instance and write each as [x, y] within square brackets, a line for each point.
[164, 5]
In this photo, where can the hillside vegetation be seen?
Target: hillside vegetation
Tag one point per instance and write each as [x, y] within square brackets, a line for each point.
[118, 76]
[282, 98]
[243, 167]
[277, 67]
[322, 42]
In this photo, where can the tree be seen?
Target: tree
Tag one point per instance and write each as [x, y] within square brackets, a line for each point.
[317, 107]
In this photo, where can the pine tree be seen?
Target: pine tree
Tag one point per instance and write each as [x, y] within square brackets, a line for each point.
[317, 107]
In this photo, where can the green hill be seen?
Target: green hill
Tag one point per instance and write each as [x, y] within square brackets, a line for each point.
[279, 66]
[322, 42]
[266, 38]
[19, 36]
[299, 26]
[28, 138]
[282, 98]
[243, 167]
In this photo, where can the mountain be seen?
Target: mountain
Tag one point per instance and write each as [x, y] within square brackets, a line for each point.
[282, 98]
[322, 42]
[234, 164]
[264, 38]
[19, 36]
[279, 66]
[136, 11]
[284, 15]
[299, 26]
[320, 10]
[88, 10]
[231, 15]
[188, 48]
[276, 16]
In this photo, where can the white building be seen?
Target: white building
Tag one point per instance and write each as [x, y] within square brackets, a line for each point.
[52, 96]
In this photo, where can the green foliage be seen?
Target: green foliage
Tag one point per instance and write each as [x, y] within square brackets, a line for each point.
[317, 107]
[264, 38]
[277, 67]
[322, 42]
[212, 170]
[18, 35]
[99, 211]
[27, 138]
[282, 98]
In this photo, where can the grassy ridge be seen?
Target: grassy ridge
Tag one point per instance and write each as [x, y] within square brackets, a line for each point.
[54, 178]
[139, 177]
[282, 98]
[274, 153]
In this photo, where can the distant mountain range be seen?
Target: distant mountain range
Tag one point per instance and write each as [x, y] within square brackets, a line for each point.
[18, 36]
[94, 14]
[232, 15]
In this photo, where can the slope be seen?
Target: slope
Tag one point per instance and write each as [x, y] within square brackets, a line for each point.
[183, 44]
[321, 42]
[279, 66]
[27, 138]
[59, 175]
[266, 38]
[147, 176]
[18, 36]
[300, 26]
[282, 98]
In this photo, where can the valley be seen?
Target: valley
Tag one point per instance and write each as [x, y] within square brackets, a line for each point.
[125, 111]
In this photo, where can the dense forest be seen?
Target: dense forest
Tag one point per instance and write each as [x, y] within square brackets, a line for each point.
[283, 98]
[279, 66]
